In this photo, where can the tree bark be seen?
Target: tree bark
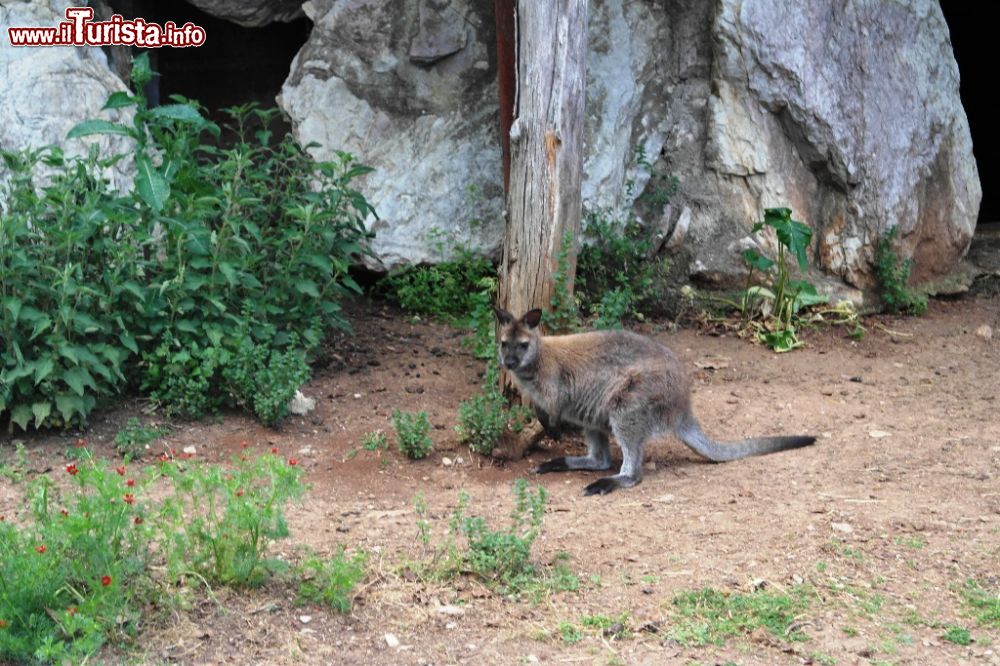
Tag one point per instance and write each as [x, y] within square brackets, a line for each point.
[546, 143]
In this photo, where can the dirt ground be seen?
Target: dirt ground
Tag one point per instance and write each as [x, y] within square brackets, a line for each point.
[894, 508]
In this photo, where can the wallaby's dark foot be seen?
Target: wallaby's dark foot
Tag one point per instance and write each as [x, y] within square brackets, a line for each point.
[554, 465]
[609, 484]
[571, 463]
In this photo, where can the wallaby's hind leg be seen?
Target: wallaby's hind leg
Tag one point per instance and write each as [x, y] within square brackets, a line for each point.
[598, 456]
[632, 442]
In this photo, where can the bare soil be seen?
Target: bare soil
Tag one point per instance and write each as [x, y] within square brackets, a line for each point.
[894, 508]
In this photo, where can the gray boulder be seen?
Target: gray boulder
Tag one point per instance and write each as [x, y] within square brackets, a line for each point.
[848, 114]
[45, 91]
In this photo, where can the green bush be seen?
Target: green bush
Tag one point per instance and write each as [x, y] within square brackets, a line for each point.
[78, 565]
[330, 581]
[98, 289]
[219, 523]
[893, 275]
[504, 556]
[413, 434]
[131, 440]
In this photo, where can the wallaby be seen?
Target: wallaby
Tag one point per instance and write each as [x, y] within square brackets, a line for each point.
[611, 383]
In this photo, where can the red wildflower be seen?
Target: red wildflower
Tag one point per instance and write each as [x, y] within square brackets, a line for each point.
[105, 580]
[244, 444]
[239, 493]
[186, 456]
[129, 498]
[3, 518]
[138, 520]
[64, 512]
[130, 483]
[41, 549]
[71, 610]
[3, 624]
[164, 457]
[81, 442]
[274, 449]
[120, 470]
[72, 469]
[293, 462]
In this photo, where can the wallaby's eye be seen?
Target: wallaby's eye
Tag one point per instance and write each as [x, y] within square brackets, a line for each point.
[523, 345]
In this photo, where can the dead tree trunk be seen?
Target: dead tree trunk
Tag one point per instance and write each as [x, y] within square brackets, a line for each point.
[546, 144]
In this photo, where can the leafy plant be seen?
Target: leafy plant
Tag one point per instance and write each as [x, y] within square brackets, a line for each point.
[616, 275]
[219, 523]
[708, 616]
[413, 434]
[893, 274]
[983, 605]
[99, 289]
[504, 556]
[330, 581]
[131, 440]
[562, 315]
[485, 417]
[779, 305]
[375, 441]
[75, 569]
[957, 635]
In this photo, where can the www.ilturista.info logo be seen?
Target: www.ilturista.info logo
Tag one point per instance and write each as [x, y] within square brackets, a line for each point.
[81, 30]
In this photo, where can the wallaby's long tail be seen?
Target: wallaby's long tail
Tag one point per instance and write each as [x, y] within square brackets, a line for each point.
[690, 432]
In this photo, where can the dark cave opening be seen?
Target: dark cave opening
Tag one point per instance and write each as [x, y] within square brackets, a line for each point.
[235, 65]
[972, 26]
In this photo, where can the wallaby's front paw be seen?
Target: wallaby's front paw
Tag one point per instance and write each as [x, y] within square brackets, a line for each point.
[554, 465]
[602, 486]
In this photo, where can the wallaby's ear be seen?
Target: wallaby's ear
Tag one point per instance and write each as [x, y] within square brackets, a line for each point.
[503, 317]
[532, 318]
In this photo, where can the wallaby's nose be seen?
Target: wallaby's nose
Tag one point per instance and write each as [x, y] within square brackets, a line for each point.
[509, 363]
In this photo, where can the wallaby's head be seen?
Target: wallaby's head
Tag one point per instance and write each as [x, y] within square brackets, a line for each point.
[518, 340]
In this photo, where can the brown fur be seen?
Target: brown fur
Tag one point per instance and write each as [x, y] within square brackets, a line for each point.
[611, 383]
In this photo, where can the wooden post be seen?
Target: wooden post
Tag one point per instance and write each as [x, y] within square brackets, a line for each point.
[546, 144]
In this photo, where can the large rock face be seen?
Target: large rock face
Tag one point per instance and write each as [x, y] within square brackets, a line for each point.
[45, 91]
[849, 113]
[410, 88]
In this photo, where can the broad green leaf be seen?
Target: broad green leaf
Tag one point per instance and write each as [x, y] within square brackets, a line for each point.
[97, 126]
[43, 368]
[129, 342]
[40, 327]
[186, 325]
[791, 233]
[69, 405]
[21, 415]
[19, 371]
[758, 261]
[230, 274]
[307, 287]
[41, 410]
[150, 184]
[118, 100]
[180, 112]
[13, 306]
[85, 323]
[77, 379]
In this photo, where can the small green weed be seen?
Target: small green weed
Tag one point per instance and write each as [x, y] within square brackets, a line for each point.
[504, 556]
[983, 605]
[710, 616]
[131, 440]
[570, 633]
[893, 274]
[413, 434]
[330, 581]
[15, 469]
[375, 441]
[485, 417]
[957, 635]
